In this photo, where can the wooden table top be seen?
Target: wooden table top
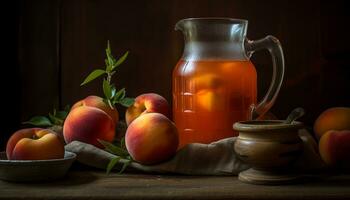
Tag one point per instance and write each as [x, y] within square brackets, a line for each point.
[87, 184]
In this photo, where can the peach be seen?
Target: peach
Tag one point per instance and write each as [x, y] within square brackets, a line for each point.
[207, 81]
[96, 101]
[34, 144]
[87, 124]
[151, 138]
[210, 100]
[337, 118]
[147, 103]
[334, 147]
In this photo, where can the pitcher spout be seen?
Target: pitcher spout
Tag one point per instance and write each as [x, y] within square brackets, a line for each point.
[179, 26]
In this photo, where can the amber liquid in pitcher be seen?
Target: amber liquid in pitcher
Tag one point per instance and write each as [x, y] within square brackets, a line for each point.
[209, 96]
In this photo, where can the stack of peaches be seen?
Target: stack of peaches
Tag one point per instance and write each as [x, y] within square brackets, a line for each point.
[150, 137]
[332, 128]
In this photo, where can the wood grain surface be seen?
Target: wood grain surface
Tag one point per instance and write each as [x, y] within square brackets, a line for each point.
[97, 185]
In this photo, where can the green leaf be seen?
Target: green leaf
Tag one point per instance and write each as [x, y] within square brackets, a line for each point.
[127, 102]
[67, 108]
[112, 163]
[109, 61]
[93, 75]
[120, 60]
[113, 91]
[62, 114]
[108, 67]
[39, 121]
[55, 120]
[125, 165]
[107, 89]
[113, 149]
[108, 51]
[119, 95]
[122, 143]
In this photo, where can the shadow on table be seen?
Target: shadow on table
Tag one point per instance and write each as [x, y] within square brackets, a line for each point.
[77, 175]
[332, 180]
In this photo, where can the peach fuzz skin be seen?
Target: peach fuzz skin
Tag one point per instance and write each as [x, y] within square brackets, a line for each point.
[96, 101]
[34, 144]
[87, 124]
[334, 147]
[337, 118]
[147, 103]
[151, 138]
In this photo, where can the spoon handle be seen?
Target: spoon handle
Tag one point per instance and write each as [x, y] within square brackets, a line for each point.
[295, 114]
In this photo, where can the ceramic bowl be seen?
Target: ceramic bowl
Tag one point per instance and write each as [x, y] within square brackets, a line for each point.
[268, 144]
[34, 170]
[270, 147]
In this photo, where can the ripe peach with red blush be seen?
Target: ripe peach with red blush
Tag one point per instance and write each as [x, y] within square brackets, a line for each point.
[337, 118]
[34, 144]
[97, 102]
[151, 138]
[88, 124]
[147, 103]
[334, 147]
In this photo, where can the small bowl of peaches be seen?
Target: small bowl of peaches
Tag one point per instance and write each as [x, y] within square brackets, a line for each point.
[34, 154]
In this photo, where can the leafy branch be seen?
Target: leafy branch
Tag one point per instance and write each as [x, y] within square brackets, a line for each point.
[54, 118]
[112, 96]
[120, 151]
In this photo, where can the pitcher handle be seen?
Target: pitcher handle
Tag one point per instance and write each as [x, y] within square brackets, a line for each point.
[274, 47]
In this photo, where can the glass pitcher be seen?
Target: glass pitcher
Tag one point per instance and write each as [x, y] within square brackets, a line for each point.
[215, 83]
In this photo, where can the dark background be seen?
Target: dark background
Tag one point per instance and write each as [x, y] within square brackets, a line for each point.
[51, 46]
